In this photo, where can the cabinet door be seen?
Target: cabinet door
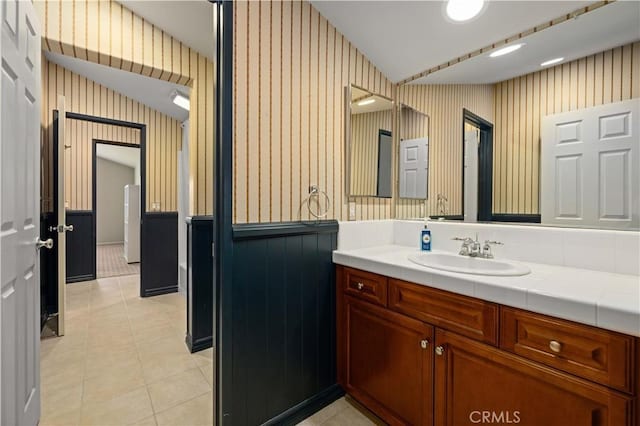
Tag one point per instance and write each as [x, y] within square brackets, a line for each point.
[476, 384]
[389, 363]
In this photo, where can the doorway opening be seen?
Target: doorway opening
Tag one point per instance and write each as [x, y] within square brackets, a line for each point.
[477, 167]
[116, 207]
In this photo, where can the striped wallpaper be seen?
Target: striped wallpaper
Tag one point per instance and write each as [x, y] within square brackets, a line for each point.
[363, 180]
[164, 137]
[520, 104]
[107, 33]
[290, 70]
[444, 104]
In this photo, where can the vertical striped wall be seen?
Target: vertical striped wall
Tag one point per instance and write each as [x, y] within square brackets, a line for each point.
[105, 32]
[522, 102]
[84, 96]
[365, 127]
[290, 70]
[413, 125]
[444, 104]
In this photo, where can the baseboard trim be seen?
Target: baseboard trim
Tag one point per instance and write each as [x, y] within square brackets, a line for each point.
[199, 344]
[157, 291]
[80, 278]
[308, 407]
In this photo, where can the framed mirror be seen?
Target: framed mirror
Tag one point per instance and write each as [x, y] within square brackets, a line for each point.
[543, 133]
[369, 144]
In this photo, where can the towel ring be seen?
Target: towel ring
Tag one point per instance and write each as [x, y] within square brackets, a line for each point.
[314, 191]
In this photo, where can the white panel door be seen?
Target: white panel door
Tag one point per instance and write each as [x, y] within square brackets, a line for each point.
[590, 168]
[19, 214]
[471, 139]
[414, 168]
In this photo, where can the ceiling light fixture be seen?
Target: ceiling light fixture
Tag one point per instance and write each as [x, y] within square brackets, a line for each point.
[366, 102]
[181, 100]
[551, 62]
[506, 50]
[463, 10]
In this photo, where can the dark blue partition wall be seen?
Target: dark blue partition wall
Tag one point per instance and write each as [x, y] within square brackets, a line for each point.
[284, 343]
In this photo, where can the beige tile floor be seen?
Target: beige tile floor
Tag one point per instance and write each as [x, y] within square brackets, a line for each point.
[341, 413]
[123, 361]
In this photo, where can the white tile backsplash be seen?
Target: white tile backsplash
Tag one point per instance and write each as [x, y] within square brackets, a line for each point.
[589, 249]
[365, 233]
[627, 253]
[601, 250]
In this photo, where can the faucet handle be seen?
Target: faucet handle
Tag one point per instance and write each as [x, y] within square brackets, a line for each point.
[459, 239]
[495, 243]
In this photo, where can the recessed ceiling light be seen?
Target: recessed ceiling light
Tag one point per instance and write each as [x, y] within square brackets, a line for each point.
[551, 62]
[181, 100]
[366, 102]
[463, 10]
[506, 50]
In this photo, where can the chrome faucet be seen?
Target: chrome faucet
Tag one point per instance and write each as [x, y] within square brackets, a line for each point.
[473, 248]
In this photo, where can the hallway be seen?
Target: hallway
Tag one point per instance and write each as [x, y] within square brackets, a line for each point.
[110, 261]
[123, 360]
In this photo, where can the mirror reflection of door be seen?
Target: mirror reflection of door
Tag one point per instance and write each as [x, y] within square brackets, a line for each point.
[471, 142]
[385, 152]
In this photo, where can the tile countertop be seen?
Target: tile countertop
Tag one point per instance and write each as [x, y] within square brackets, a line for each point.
[603, 299]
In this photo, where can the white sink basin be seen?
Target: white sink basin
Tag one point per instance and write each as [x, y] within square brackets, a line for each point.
[469, 265]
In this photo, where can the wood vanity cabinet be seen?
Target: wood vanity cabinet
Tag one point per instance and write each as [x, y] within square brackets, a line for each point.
[472, 379]
[430, 357]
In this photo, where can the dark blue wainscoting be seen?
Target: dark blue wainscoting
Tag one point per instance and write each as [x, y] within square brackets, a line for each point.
[199, 283]
[284, 321]
[159, 254]
[80, 246]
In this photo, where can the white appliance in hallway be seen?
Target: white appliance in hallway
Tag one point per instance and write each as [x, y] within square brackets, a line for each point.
[20, 214]
[132, 223]
[590, 167]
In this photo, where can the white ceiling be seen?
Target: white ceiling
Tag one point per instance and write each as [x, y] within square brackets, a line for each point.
[190, 21]
[149, 91]
[613, 25]
[380, 104]
[404, 38]
[127, 156]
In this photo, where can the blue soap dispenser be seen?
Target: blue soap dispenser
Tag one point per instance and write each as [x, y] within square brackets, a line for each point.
[425, 238]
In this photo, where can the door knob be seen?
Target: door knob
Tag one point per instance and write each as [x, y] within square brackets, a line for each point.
[48, 243]
[424, 343]
[360, 286]
[61, 228]
[439, 350]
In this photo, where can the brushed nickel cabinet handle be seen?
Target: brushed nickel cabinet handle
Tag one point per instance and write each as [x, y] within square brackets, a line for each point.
[424, 343]
[439, 350]
[555, 346]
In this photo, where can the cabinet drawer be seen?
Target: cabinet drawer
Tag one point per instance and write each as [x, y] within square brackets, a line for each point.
[365, 285]
[594, 354]
[467, 316]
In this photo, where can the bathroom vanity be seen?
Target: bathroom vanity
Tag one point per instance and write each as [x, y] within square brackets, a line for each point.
[421, 346]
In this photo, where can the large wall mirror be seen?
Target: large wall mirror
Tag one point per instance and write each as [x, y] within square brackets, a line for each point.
[369, 144]
[548, 133]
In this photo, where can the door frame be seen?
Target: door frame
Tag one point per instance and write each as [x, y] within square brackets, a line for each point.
[143, 178]
[382, 132]
[94, 198]
[485, 165]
